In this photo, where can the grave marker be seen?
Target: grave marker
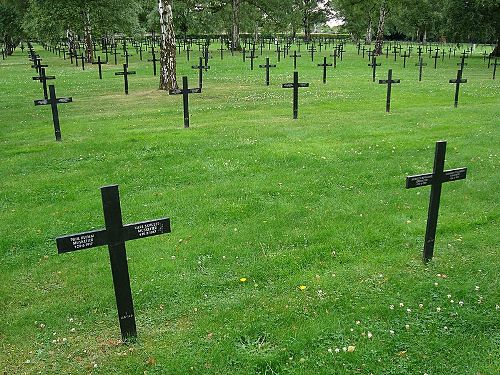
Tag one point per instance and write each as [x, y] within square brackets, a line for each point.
[295, 59]
[99, 63]
[200, 68]
[185, 96]
[125, 75]
[115, 235]
[457, 82]
[54, 101]
[374, 67]
[389, 81]
[420, 65]
[435, 179]
[295, 85]
[324, 65]
[267, 66]
[43, 79]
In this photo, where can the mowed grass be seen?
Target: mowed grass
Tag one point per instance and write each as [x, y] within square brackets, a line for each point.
[318, 202]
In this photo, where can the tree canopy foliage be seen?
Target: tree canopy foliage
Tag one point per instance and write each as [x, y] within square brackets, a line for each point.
[437, 20]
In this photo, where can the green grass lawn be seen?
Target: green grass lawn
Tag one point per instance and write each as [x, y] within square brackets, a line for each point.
[318, 202]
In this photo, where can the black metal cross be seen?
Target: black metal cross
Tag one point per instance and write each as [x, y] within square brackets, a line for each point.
[495, 67]
[125, 75]
[295, 85]
[54, 101]
[374, 65]
[99, 63]
[312, 49]
[389, 81]
[221, 49]
[420, 65]
[267, 66]
[295, 55]
[154, 60]
[252, 57]
[82, 58]
[435, 179]
[200, 68]
[185, 96]
[115, 235]
[405, 56]
[462, 62]
[458, 81]
[324, 65]
[126, 55]
[435, 57]
[334, 58]
[43, 79]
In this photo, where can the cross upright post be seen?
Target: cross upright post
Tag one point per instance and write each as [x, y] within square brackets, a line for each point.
[115, 235]
[389, 81]
[457, 82]
[295, 85]
[405, 56]
[495, 64]
[54, 101]
[267, 66]
[185, 96]
[324, 65]
[435, 179]
[435, 57]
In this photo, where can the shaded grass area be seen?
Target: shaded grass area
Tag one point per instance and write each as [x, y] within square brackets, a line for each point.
[318, 202]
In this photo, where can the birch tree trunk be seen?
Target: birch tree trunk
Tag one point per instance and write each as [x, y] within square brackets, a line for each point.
[368, 37]
[89, 47]
[235, 28]
[168, 79]
[70, 41]
[380, 30]
[306, 21]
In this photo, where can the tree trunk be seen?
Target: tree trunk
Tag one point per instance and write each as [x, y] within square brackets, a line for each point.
[89, 47]
[235, 29]
[380, 30]
[424, 38]
[168, 79]
[70, 41]
[496, 50]
[368, 37]
[306, 21]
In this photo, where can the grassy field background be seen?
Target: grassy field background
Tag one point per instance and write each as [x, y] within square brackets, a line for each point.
[318, 202]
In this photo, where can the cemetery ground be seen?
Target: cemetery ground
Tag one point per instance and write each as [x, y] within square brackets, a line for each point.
[295, 247]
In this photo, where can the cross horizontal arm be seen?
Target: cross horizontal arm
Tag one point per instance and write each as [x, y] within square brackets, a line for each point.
[41, 102]
[458, 80]
[287, 85]
[87, 240]
[419, 180]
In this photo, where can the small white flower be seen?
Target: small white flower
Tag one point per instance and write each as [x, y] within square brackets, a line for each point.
[438, 309]
[461, 303]
[436, 284]
[391, 332]
[449, 296]
[401, 304]
[407, 326]
[445, 328]
[477, 287]
[344, 349]
[391, 307]
[421, 306]
[330, 350]
[408, 310]
[337, 350]
[369, 335]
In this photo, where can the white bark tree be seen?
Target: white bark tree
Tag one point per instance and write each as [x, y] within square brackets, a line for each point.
[168, 80]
